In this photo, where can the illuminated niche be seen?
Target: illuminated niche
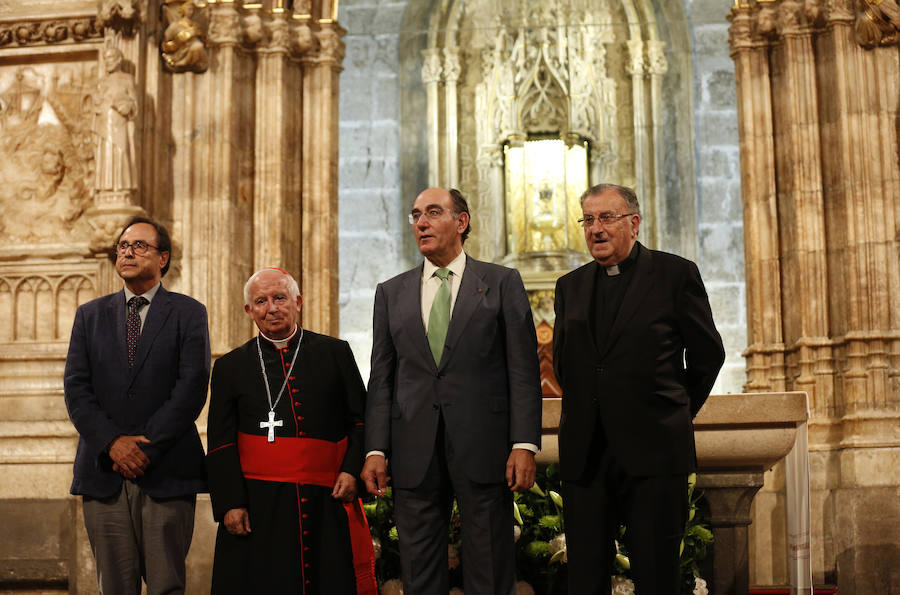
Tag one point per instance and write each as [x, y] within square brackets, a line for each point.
[544, 179]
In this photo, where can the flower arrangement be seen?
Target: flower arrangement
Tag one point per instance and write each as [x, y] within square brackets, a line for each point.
[540, 543]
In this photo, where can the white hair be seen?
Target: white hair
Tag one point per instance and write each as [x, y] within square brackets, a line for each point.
[290, 282]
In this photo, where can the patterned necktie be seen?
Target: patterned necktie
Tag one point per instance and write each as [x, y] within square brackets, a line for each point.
[439, 318]
[133, 326]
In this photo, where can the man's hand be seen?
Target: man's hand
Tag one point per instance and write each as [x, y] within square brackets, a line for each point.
[344, 487]
[374, 473]
[128, 458]
[520, 470]
[237, 521]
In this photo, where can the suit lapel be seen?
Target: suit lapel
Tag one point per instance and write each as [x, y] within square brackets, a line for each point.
[640, 286]
[157, 314]
[472, 290]
[410, 303]
[116, 314]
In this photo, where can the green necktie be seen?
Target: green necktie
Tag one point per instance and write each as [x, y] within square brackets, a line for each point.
[439, 318]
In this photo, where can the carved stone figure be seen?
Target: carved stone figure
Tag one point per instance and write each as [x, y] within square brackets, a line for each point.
[118, 12]
[184, 41]
[115, 107]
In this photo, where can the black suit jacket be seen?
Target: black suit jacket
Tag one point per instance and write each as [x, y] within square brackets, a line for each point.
[656, 370]
[487, 386]
[160, 397]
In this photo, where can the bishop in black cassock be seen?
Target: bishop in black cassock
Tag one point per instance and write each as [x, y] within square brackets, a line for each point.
[283, 463]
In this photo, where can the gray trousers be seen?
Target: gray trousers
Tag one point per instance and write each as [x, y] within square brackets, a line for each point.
[134, 537]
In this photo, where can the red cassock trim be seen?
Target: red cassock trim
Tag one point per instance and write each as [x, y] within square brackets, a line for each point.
[363, 552]
[294, 460]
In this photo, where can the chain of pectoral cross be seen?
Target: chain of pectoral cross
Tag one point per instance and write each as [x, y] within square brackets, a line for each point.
[273, 423]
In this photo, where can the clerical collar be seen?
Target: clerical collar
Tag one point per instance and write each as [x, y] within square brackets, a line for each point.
[617, 269]
[280, 343]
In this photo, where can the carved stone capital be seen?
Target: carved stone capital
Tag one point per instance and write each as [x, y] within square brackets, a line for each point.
[119, 15]
[792, 18]
[740, 33]
[279, 33]
[253, 28]
[431, 66]
[331, 46]
[111, 211]
[224, 24]
[656, 57]
[636, 64]
[452, 68]
[303, 41]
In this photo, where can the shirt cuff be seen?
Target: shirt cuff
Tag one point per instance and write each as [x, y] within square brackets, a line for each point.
[526, 446]
[374, 453]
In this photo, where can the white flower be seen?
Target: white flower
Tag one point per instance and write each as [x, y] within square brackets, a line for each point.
[517, 532]
[376, 545]
[452, 557]
[523, 588]
[622, 586]
[700, 586]
[558, 549]
[392, 587]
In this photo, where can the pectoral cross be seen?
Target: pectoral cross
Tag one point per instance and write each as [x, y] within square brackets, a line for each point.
[271, 425]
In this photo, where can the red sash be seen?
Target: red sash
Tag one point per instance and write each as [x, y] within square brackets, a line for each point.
[293, 460]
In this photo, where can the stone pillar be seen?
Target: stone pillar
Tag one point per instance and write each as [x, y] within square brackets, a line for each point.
[765, 352]
[636, 68]
[277, 182]
[319, 276]
[431, 77]
[801, 209]
[823, 276]
[210, 124]
[451, 126]
[729, 496]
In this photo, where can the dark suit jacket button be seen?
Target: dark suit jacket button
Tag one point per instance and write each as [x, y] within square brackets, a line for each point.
[435, 406]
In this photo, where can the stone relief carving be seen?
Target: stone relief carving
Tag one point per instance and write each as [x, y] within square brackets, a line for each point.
[184, 41]
[42, 305]
[46, 155]
[115, 108]
[54, 31]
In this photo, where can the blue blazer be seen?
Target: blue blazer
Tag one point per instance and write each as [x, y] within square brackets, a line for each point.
[160, 397]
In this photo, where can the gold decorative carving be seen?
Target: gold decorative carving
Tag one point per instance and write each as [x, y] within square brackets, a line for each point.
[877, 23]
[183, 46]
[52, 31]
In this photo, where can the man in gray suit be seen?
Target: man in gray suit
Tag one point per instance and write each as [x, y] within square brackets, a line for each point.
[455, 408]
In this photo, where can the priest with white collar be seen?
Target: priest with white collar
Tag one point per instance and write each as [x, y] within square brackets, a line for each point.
[285, 447]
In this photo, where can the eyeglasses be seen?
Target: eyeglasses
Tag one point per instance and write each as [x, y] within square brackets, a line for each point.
[604, 219]
[431, 213]
[140, 247]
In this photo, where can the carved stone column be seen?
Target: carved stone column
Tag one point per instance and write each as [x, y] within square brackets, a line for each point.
[451, 76]
[210, 120]
[319, 276]
[636, 68]
[431, 77]
[801, 209]
[823, 276]
[765, 352]
[656, 68]
[277, 182]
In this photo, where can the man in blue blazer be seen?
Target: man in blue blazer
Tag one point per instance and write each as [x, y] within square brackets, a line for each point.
[135, 381]
[454, 401]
